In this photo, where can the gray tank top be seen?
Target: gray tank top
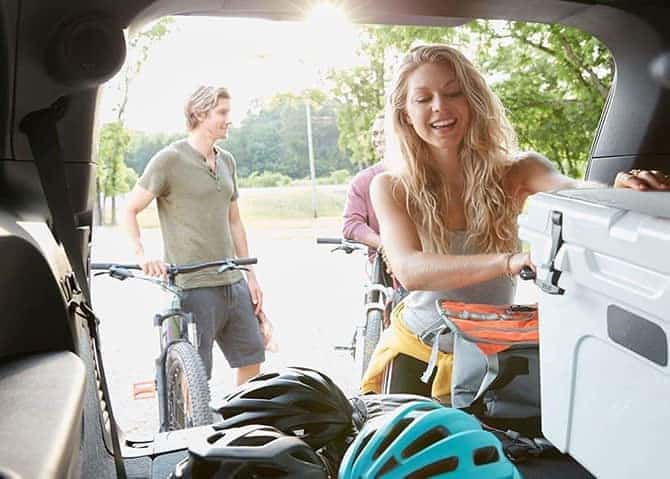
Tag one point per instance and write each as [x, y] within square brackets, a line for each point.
[420, 313]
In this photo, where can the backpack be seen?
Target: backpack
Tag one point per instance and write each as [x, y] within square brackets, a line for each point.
[496, 371]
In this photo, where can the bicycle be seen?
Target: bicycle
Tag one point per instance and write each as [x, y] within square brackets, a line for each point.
[378, 299]
[180, 378]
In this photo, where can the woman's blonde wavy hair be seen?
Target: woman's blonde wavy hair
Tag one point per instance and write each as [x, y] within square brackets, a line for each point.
[485, 155]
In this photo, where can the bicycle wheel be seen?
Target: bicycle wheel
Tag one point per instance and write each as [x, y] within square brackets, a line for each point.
[374, 317]
[373, 330]
[187, 388]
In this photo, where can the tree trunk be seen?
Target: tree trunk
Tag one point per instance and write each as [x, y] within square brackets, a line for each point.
[98, 204]
[113, 221]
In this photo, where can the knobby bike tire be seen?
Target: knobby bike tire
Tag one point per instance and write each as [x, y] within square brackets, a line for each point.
[187, 388]
[373, 330]
[374, 318]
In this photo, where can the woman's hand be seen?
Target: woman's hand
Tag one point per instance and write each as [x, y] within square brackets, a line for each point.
[516, 262]
[643, 180]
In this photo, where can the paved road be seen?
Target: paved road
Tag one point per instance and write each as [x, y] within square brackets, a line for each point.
[313, 297]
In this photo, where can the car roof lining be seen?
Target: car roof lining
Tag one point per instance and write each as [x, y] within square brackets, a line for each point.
[394, 12]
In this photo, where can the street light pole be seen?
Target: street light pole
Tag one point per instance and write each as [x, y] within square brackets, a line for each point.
[310, 149]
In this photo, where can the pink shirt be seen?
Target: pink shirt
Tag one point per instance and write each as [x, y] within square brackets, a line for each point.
[359, 217]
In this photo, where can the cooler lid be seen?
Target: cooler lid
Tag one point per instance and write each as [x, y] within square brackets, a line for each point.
[633, 226]
[650, 203]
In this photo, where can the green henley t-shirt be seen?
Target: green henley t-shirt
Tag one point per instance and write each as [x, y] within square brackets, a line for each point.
[193, 209]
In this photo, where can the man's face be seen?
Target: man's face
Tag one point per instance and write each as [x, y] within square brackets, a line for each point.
[378, 137]
[217, 121]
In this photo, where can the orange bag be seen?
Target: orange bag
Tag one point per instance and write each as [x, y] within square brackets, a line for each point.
[496, 369]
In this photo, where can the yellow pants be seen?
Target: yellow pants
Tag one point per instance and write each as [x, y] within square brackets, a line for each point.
[398, 339]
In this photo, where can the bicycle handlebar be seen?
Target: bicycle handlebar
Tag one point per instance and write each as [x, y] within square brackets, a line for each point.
[175, 269]
[103, 266]
[329, 241]
[346, 245]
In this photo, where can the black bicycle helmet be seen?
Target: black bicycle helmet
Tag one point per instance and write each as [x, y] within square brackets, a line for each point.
[370, 406]
[250, 452]
[295, 400]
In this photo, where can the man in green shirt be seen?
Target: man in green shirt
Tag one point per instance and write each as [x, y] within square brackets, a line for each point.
[195, 186]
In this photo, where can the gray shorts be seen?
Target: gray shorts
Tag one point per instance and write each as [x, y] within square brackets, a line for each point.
[226, 313]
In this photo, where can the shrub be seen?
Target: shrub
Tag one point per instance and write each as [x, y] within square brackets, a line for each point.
[264, 180]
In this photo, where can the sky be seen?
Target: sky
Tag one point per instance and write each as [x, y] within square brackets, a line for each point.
[253, 58]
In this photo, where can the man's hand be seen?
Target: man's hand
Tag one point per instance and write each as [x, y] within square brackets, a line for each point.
[255, 291]
[154, 267]
[643, 180]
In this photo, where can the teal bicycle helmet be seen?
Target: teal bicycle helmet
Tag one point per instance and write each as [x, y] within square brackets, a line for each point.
[424, 440]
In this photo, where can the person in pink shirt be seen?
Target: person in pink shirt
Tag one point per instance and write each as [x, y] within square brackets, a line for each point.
[360, 222]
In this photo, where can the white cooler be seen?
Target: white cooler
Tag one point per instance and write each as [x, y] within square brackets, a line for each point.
[603, 264]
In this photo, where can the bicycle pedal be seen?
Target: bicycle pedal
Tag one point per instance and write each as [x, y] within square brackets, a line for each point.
[144, 390]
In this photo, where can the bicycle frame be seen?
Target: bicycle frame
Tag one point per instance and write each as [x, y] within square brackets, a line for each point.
[174, 325]
[378, 291]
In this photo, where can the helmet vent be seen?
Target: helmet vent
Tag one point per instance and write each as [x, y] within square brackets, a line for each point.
[215, 437]
[228, 412]
[364, 443]
[485, 455]
[426, 439]
[441, 467]
[390, 464]
[268, 392]
[392, 435]
[252, 440]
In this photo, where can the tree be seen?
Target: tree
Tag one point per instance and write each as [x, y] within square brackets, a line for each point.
[359, 92]
[112, 172]
[552, 79]
[114, 177]
[143, 146]
[272, 137]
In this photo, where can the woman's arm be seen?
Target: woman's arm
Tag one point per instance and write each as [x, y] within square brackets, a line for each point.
[533, 173]
[419, 270]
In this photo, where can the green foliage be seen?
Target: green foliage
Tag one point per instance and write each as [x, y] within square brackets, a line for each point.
[143, 146]
[337, 177]
[273, 137]
[359, 92]
[553, 80]
[264, 180]
[114, 176]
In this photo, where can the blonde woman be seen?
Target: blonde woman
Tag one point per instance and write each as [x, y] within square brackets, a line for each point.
[448, 214]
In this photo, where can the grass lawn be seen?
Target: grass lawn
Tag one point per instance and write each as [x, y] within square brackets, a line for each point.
[266, 207]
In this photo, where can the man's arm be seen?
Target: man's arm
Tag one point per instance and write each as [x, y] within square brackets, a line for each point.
[242, 250]
[138, 199]
[355, 225]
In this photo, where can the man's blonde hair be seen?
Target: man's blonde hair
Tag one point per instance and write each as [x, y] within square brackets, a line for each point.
[485, 155]
[201, 102]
